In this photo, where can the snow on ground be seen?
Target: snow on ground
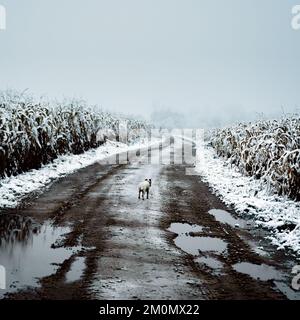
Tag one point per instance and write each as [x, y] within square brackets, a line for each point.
[249, 196]
[14, 189]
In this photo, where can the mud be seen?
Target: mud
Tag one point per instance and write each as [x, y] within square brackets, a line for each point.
[91, 238]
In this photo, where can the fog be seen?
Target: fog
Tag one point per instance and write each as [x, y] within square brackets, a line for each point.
[204, 62]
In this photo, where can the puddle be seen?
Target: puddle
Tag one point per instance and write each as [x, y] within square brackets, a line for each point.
[26, 253]
[181, 228]
[287, 291]
[16, 228]
[76, 270]
[193, 245]
[212, 263]
[261, 272]
[225, 217]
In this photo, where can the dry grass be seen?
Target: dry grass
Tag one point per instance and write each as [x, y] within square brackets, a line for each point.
[267, 150]
[33, 133]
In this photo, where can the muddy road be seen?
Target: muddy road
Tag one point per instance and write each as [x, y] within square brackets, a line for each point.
[88, 236]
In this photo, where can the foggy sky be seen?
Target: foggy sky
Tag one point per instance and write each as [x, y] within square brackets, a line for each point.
[208, 58]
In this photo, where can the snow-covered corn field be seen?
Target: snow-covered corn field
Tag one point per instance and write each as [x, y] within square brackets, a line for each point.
[34, 132]
[266, 150]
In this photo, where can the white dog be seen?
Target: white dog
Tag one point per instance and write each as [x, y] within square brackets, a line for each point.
[144, 187]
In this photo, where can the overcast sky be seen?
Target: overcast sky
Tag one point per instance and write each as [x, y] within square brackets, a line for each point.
[210, 56]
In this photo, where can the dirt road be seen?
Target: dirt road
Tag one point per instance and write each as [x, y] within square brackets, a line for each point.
[88, 236]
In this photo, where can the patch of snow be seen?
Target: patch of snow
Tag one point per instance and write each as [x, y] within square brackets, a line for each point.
[14, 189]
[249, 196]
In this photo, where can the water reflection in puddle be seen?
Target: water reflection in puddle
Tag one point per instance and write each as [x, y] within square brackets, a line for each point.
[76, 270]
[180, 228]
[193, 245]
[26, 253]
[264, 272]
[225, 217]
[287, 291]
[211, 262]
[261, 272]
[16, 228]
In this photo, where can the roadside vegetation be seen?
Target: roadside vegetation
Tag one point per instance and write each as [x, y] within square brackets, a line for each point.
[34, 132]
[266, 150]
